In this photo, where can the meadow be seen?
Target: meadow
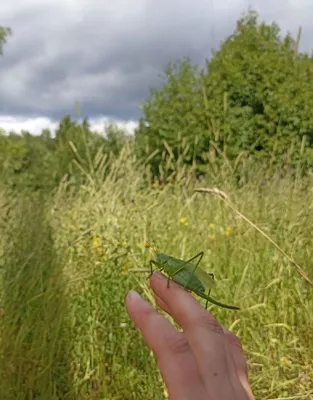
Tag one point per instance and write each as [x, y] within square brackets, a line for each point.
[65, 261]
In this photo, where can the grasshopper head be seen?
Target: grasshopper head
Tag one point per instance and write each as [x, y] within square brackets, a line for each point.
[161, 258]
[147, 245]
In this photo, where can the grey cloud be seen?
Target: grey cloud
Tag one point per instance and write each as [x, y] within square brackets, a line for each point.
[106, 55]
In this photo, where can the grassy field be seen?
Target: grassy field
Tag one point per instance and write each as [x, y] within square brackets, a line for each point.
[65, 260]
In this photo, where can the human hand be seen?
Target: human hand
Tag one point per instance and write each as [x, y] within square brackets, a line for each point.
[205, 361]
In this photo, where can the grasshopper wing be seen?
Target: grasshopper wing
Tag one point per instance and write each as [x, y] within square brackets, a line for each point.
[204, 277]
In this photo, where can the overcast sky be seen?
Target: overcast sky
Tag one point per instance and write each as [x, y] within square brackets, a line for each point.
[106, 54]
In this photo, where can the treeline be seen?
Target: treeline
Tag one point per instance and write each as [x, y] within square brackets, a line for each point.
[252, 100]
[253, 97]
[40, 162]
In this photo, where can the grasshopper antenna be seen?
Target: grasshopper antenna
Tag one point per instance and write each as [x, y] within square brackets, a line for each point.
[147, 244]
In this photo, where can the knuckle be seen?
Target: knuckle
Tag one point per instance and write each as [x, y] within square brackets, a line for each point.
[177, 344]
[207, 322]
[144, 317]
[233, 340]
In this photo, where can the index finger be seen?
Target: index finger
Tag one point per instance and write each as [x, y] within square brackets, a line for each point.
[176, 362]
[204, 333]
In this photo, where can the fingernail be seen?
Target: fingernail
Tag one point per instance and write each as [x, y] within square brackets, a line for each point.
[134, 296]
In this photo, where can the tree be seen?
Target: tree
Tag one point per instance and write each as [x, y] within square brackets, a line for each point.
[259, 89]
[116, 139]
[4, 33]
[173, 116]
[76, 148]
[254, 95]
[27, 161]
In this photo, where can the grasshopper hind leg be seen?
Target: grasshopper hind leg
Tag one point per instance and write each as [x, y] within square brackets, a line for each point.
[200, 255]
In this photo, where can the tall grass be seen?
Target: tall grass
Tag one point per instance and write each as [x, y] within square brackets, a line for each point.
[33, 326]
[65, 333]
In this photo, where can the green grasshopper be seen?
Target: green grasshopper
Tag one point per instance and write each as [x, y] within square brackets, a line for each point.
[187, 275]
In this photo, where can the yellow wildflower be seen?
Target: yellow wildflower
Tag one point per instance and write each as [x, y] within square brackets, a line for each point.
[285, 361]
[182, 220]
[211, 226]
[211, 237]
[70, 212]
[124, 269]
[95, 243]
[228, 231]
[146, 245]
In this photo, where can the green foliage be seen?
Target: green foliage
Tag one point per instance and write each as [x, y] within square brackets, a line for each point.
[254, 97]
[251, 101]
[79, 151]
[27, 161]
[116, 139]
[4, 33]
[33, 328]
[65, 332]
[260, 90]
[76, 152]
[65, 255]
[172, 115]
[172, 118]
[73, 145]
